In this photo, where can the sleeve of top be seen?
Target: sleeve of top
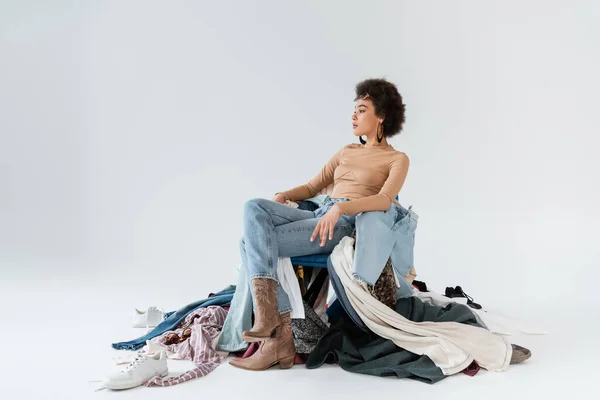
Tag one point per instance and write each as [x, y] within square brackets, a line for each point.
[396, 178]
[382, 200]
[320, 181]
[325, 177]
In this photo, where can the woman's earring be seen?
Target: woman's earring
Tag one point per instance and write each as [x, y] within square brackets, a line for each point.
[362, 140]
[379, 139]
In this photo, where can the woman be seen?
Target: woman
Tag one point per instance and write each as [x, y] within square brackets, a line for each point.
[365, 177]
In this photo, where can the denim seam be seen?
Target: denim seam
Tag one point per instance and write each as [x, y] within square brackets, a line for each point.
[298, 229]
[282, 217]
[234, 348]
[269, 251]
[264, 276]
[309, 229]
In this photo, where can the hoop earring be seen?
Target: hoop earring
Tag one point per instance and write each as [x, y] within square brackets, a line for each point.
[363, 141]
[379, 139]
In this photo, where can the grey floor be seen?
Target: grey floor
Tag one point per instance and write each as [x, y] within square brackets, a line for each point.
[57, 334]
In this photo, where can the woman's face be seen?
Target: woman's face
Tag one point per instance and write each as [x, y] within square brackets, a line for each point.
[364, 120]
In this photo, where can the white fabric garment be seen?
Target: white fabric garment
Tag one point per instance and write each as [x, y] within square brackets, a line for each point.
[287, 276]
[494, 322]
[452, 346]
[331, 296]
[289, 283]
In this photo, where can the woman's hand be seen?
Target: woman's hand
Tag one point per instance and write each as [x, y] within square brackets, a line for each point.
[279, 198]
[326, 225]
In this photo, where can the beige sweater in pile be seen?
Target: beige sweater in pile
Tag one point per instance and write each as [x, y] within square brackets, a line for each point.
[370, 176]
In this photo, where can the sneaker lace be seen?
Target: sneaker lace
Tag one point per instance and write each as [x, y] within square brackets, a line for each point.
[461, 291]
[139, 359]
[468, 297]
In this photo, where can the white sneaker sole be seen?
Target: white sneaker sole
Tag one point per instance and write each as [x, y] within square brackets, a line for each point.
[144, 323]
[129, 385]
[144, 326]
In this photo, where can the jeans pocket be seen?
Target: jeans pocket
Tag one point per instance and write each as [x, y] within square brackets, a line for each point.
[403, 223]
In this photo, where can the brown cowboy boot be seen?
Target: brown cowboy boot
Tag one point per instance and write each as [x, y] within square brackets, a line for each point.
[266, 317]
[272, 351]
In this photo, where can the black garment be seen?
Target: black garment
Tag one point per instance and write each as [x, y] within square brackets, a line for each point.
[364, 352]
[315, 288]
[306, 205]
[458, 292]
[422, 286]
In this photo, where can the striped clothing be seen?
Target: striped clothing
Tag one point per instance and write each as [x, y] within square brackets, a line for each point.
[205, 325]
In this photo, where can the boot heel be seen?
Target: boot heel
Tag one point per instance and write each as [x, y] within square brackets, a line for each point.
[277, 332]
[286, 363]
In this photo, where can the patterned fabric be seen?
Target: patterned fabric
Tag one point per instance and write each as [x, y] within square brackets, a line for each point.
[192, 341]
[222, 298]
[307, 331]
[385, 288]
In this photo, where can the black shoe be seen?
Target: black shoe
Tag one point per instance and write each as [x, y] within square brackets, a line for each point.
[459, 293]
[451, 293]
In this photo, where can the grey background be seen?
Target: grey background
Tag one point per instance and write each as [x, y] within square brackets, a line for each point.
[132, 133]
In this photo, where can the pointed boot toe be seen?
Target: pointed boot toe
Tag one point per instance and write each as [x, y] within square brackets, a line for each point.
[519, 354]
[274, 351]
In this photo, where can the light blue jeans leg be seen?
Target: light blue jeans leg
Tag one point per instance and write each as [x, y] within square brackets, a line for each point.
[381, 235]
[239, 317]
[273, 230]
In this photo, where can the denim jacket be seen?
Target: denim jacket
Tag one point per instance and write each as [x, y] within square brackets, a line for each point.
[381, 235]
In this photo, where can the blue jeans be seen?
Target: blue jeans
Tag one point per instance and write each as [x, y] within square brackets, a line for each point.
[381, 235]
[294, 234]
[239, 317]
[273, 230]
[222, 298]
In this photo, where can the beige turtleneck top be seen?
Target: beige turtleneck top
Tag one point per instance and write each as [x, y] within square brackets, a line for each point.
[370, 176]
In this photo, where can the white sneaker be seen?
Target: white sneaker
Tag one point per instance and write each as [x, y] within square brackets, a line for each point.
[139, 371]
[147, 319]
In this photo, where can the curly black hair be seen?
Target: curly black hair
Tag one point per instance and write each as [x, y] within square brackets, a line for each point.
[387, 101]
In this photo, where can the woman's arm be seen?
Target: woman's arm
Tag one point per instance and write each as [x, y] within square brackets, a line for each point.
[382, 200]
[320, 181]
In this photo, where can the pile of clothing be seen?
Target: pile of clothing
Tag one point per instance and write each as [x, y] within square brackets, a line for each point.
[378, 321]
[460, 337]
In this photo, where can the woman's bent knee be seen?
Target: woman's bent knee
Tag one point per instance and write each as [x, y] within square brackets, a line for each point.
[253, 205]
